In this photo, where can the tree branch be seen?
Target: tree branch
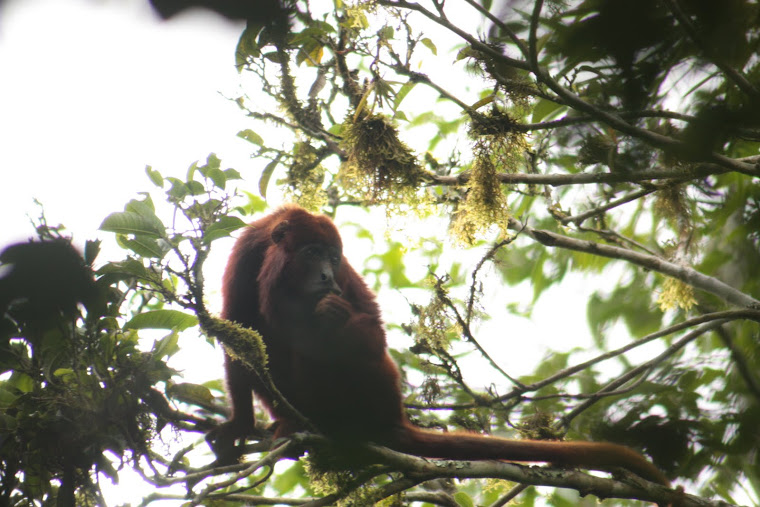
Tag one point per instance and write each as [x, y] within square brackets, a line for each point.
[578, 219]
[642, 369]
[614, 120]
[556, 180]
[420, 469]
[741, 82]
[519, 392]
[683, 273]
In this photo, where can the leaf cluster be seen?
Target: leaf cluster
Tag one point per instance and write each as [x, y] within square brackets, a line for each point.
[83, 391]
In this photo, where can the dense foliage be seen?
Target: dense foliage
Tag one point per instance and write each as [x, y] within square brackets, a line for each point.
[612, 145]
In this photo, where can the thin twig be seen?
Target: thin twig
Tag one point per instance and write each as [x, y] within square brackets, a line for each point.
[618, 238]
[578, 219]
[710, 317]
[465, 325]
[511, 495]
[567, 372]
[643, 368]
[532, 36]
[746, 371]
[729, 71]
[487, 257]
[502, 26]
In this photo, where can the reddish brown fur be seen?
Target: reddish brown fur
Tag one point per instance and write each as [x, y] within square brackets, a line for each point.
[329, 358]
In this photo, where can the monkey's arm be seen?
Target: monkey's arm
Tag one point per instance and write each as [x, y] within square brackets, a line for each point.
[351, 332]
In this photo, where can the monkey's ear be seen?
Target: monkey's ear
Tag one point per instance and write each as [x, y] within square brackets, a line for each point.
[279, 231]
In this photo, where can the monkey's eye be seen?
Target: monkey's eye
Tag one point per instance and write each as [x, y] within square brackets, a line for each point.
[335, 259]
[312, 251]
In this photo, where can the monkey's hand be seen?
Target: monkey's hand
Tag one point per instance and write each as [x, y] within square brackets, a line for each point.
[222, 441]
[332, 312]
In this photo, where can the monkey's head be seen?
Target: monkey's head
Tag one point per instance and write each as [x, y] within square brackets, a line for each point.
[310, 250]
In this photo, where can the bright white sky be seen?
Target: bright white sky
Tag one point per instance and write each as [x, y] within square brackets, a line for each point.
[92, 91]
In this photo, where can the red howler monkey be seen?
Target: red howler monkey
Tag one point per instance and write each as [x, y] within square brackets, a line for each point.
[287, 279]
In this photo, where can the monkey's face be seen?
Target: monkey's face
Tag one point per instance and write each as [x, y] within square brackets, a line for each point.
[317, 266]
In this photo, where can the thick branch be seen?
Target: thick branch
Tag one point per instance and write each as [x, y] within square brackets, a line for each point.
[420, 469]
[556, 180]
[683, 273]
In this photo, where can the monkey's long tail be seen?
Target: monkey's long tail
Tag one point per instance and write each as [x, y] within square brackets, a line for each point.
[467, 446]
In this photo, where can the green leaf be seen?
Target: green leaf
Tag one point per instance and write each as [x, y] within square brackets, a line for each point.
[154, 176]
[178, 189]
[392, 264]
[129, 267]
[190, 393]
[402, 93]
[311, 53]
[545, 108]
[266, 174]
[191, 170]
[429, 44]
[385, 33]
[63, 373]
[251, 136]
[463, 499]
[336, 129]
[246, 46]
[195, 188]
[232, 174]
[222, 228]
[291, 478]
[162, 319]
[274, 56]
[128, 222]
[7, 423]
[145, 207]
[145, 246]
[166, 346]
[6, 397]
[91, 251]
[212, 162]
[22, 382]
[255, 204]
[217, 176]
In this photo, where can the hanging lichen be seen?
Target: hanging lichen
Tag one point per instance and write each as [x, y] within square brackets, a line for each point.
[328, 475]
[499, 148]
[497, 134]
[433, 329]
[306, 177]
[379, 167]
[598, 149]
[676, 293]
[671, 203]
[485, 205]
